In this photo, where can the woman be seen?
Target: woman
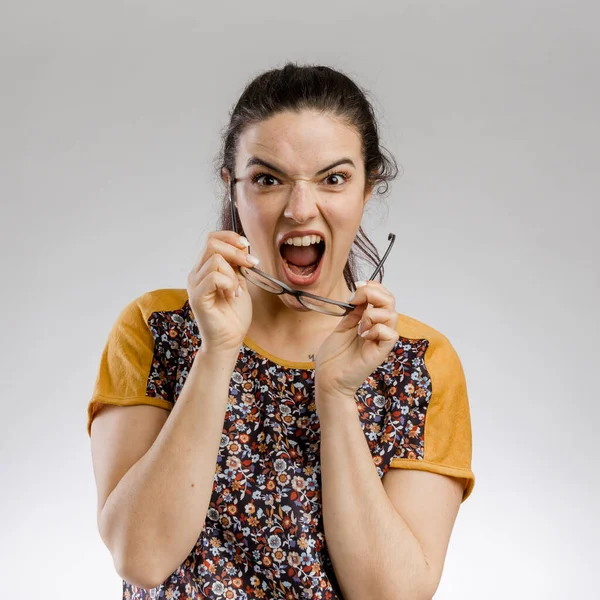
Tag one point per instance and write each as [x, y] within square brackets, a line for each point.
[340, 431]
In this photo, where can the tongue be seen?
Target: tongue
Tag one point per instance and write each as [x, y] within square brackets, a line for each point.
[301, 256]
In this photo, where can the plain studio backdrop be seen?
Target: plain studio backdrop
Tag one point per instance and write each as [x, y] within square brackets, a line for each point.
[110, 120]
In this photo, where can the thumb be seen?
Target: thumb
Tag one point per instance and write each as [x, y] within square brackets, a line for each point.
[353, 317]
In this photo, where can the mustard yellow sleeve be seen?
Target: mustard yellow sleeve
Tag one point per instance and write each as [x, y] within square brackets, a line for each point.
[445, 425]
[133, 368]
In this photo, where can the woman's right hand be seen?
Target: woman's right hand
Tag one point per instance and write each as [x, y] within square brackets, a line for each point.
[223, 318]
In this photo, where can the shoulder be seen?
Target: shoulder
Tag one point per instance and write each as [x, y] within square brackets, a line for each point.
[159, 301]
[154, 314]
[438, 352]
[413, 329]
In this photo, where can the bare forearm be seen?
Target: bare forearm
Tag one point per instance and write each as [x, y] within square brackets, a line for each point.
[157, 511]
[374, 553]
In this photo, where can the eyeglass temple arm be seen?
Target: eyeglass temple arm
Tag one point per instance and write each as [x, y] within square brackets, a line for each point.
[234, 180]
[392, 237]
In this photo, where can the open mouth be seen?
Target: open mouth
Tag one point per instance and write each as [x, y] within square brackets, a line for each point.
[302, 262]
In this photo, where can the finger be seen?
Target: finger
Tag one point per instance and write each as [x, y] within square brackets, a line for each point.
[233, 255]
[228, 244]
[216, 264]
[354, 316]
[374, 293]
[381, 333]
[371, 316]
[217, 281]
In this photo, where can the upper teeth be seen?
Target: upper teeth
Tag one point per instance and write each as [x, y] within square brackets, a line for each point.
[307, 240]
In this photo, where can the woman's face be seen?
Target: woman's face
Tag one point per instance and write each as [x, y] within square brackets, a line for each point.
[300, 193]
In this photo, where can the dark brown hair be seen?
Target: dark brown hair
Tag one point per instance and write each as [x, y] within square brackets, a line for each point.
[320, 88]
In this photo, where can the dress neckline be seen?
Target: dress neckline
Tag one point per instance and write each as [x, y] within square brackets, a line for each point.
[293, 364]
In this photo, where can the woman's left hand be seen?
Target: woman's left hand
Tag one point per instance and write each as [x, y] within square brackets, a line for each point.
[345, 359]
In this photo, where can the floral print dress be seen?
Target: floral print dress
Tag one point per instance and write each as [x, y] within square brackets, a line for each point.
[263, 536]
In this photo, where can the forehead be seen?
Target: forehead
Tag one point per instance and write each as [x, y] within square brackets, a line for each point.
[299, 142]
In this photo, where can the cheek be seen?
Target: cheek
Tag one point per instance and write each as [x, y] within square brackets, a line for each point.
[344, 225]
[260, 229]
[346, 220]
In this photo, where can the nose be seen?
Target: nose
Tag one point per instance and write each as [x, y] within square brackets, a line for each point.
[302, 204]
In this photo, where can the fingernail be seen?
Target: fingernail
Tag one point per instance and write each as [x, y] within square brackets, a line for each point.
[364, 333]
[244, 242]
[351, 296]
[360, 283]
[238, 292]
[253, 260]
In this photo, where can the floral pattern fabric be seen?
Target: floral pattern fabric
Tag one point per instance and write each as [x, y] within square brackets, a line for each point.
[263, 536]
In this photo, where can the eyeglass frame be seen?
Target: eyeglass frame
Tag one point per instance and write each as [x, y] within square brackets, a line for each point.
[285, 289]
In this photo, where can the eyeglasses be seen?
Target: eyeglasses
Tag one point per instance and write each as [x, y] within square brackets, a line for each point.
[311, 301]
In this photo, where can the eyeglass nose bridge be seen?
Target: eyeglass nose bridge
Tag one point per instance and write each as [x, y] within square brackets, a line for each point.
[302, 296]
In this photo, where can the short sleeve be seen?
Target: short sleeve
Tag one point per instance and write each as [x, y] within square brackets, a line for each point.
[445, 425]
[133, 368]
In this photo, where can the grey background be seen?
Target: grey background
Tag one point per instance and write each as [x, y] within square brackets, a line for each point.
[110, 118]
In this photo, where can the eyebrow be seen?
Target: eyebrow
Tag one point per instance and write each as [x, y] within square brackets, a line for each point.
[254, 160]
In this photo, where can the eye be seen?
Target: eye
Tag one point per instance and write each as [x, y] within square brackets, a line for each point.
[256, 178]
[344, 174]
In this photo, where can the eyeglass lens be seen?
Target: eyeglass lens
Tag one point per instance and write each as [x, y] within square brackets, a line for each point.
[312, 303]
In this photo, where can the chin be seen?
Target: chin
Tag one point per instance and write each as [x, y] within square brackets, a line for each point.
[294, 303]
